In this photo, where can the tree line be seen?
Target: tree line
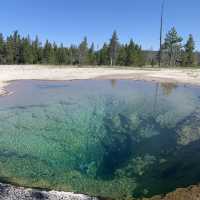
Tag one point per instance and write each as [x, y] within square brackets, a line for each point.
[16, 49]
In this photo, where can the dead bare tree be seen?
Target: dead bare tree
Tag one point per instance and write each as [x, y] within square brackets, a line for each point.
[161, 32]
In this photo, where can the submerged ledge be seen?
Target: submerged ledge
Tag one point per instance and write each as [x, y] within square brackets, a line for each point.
[189, 193]
[9, 192]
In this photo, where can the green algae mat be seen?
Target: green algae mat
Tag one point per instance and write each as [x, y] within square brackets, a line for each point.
[119, 139]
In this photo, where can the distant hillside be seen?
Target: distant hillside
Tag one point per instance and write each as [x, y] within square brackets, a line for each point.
[150, 55]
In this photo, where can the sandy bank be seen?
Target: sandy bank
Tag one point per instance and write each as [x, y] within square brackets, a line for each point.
[18, 72]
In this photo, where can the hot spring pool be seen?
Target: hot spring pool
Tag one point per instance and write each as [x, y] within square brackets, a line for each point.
[118, 139]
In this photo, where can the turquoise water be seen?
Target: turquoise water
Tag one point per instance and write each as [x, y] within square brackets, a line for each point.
[118, 139]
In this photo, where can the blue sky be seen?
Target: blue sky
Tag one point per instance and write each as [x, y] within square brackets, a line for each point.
[68, 21]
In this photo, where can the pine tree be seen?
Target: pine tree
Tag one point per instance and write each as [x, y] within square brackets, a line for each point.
[2, 50]
[55, 53]
[135, 55]
[173, 46]
[9, 51]
[48, 54]
[113, 48]
[26, 53]
[73, 55]
[153, 62]
[141, 57]
[16, 43]
[132, 58]
[104, 55]
[37, 51]
[83, 52]
[122, 55]
[67, 56]
[92, 56]
[189, 56]
[61, 56]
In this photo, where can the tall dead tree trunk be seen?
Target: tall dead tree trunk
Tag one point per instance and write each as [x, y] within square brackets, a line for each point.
[161, 32]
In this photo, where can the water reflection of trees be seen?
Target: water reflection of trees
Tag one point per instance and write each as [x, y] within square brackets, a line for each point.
[168, 88]
[113, 83]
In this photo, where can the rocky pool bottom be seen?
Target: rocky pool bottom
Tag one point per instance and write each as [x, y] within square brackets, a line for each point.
[114, 139]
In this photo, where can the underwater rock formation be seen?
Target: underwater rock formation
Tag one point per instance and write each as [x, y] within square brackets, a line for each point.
[189, 130]
[190, 193]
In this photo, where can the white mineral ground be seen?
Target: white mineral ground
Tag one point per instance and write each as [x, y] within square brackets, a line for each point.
[9, 192]
[37, 72]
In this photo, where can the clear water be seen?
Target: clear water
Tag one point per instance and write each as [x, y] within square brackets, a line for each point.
[118, 139]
